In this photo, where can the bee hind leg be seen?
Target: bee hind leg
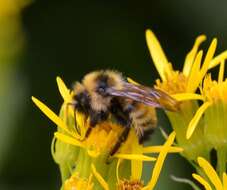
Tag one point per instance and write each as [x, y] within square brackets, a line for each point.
[122, 138]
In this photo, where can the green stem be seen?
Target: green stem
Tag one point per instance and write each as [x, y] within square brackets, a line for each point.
[65, 173]
[221, 164]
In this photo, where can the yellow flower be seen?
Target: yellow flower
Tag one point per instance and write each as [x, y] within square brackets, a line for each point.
[136, 184]
[213, 182]
[71, 148]
[188, 80]
[182, 86]
[214, 111]
[214, 107]
[196, 134]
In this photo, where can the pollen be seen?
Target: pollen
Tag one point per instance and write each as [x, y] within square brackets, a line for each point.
[103, 137]
[130, 185]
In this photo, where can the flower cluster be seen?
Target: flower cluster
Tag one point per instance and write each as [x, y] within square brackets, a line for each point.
[199, 127]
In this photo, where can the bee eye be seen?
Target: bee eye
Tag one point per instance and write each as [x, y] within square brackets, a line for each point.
[101, 89]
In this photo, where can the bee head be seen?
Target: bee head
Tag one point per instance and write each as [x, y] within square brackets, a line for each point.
[101, 81]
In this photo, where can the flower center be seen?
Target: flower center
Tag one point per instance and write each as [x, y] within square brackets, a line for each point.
[215, 91]
[130, 185]
[175, 83]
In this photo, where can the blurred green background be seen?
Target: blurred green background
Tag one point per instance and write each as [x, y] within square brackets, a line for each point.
[70, 38]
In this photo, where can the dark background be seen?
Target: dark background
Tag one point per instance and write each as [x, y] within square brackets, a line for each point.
[69, 39]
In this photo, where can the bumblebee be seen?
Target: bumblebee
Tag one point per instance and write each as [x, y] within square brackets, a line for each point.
[106, 92]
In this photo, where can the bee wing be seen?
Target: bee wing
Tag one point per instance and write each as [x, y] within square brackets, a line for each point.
[146, 95]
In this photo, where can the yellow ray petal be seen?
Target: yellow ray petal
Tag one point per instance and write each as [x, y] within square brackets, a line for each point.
[187, 96]
[157, 149]
[134, 157]
[64, 91]
[132, 81]
[157, 54]
[209, 56]
[193, 123]
[210, 172]
[68, 140]
[191, 55]
[205, 66]
[136, 165]
[99, 178]
[224, 181]
[50, 114]
[159, 163]
[202, 181]
[221, 71]
[194, 73]
[216, 60]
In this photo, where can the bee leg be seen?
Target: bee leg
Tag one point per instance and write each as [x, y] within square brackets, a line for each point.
[122, 117]
[122, 138]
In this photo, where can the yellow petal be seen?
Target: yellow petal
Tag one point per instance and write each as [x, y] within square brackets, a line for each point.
[50, 114]
[159, 163]
[136, 165]
[64, 91]
[191, 55]
[68, 140]
[193, 123]
[210, 172]
[216, 60]
[209, 56]
[132, 81]
[202, 181]
[135, 157]
[224, 181]
[187, 96]
[99, 178]
[157, 54]
[194, 73]
[221, 71]
[205, 66]
[157, 149]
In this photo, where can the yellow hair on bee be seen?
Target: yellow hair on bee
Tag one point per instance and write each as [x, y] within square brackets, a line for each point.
[90, 81]
[78, 88]
[115, 79]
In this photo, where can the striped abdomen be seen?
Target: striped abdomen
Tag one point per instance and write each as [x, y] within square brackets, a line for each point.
[144, 120]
